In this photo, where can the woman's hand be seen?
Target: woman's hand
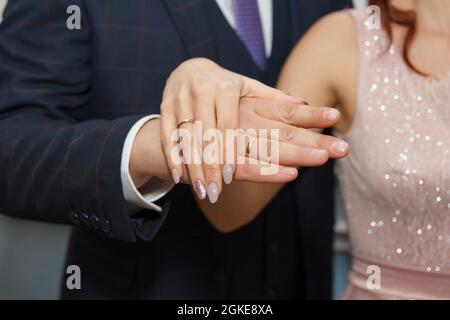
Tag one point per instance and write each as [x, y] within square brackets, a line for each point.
[200, 90]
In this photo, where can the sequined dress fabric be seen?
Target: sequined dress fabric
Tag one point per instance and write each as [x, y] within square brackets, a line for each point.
[395, 183]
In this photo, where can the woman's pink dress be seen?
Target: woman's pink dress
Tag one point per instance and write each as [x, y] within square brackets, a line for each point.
[396, 181]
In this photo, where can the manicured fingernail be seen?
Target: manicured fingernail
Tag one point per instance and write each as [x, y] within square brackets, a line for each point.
[200, 189]
[227, 173]
[331, 114]
[288, 171]
[340, 147]
[213, 192]
[319, 153]
[175, 176]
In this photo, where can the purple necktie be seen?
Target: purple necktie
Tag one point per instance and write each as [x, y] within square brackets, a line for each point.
[249, 29]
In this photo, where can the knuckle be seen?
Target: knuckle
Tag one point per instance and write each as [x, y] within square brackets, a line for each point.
[211, 171]
[185, 66]
[287, 112]
[287, 133]
[171, 76]
[226, 86]
[182, 96]
[202, 89]
[166, 104]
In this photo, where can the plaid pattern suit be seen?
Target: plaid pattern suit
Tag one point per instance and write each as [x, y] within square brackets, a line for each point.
[68, 98]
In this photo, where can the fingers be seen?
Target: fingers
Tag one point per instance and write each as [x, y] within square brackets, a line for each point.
[169, 140]
[211, 147]
[263, 172]
[298, 115]
[293, 155]
[192, 158]
[306, 138]
[191, 144]
[275, 152]
[336, 148]
[227, 105]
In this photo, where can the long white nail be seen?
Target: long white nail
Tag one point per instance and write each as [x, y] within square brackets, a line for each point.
[175, 176]
[200, 189]
[213, 192]
[227, 173]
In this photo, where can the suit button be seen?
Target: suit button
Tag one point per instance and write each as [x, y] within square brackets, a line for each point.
[94, 221]
[105, 226]
[74, 218]
[84, 219]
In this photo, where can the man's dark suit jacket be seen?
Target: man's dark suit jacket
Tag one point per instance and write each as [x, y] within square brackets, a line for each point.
[67, 101]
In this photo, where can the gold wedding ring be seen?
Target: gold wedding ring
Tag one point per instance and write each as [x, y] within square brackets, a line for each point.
[185, 121]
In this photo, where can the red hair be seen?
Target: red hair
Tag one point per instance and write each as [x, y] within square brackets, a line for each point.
[407, 18]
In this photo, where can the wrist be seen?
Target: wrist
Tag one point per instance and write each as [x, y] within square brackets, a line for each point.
[147, 158]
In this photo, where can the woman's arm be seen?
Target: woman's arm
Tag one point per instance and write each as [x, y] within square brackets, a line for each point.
[322, 70]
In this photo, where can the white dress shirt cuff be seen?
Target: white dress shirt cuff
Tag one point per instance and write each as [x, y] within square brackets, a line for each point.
[154, 190]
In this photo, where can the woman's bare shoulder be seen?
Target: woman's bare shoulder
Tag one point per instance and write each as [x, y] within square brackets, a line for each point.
[323, 65]
[336, 22]
[332, 34]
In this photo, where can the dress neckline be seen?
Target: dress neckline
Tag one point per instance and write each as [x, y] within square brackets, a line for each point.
[430, 80]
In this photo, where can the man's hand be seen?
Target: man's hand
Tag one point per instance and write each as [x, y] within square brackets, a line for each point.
[296, 145]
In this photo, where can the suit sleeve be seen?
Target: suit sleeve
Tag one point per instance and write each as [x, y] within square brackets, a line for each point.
[56, 166]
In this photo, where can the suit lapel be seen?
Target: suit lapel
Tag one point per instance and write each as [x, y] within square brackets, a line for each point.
[194, 26]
